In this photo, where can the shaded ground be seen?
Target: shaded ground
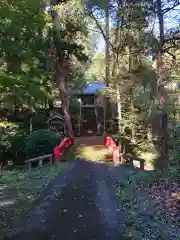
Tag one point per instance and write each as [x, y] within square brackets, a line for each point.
[19, 190]
[79, 205]
[152, 206]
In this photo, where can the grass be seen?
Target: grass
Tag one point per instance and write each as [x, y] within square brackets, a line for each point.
[151, 200]
[151, 203]
[19, 189]
[147, 152]
[71, 154]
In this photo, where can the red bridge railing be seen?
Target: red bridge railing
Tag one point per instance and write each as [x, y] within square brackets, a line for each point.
[60, 149]
[113, 149]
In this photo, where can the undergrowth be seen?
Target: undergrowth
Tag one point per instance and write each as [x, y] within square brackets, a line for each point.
[151, 203]
[19, 189]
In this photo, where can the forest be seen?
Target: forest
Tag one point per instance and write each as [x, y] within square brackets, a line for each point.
[51, 49]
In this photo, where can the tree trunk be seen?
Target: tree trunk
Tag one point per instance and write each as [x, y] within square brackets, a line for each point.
[107, 44]
[107, 73]
[133, 131]
[147, 125]
[64, 99]
[115, 66]
[161, 90]
[119, 108]
[50, 104]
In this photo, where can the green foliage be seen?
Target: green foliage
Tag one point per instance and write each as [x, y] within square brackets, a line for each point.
[143, 197]
[177, 131]
[117, 138]
[177, 145]
[68, 24]
[23, 51]
[96, 70]
[145, 147]
[41, 142]
[174, 171]
[11, 141]
[100, 3]
[30, 44]
[26, 186]
[39, 120]
[7, 125]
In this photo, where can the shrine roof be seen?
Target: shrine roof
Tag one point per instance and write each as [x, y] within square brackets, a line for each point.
[92, 88]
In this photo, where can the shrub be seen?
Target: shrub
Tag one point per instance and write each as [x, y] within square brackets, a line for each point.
[117, 138]
[41, 142]
[39, 120]
[11, 141]
[177, 144]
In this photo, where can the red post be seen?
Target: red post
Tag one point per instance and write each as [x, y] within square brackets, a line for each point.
[116, 154]
[113, 149]
[59, 150]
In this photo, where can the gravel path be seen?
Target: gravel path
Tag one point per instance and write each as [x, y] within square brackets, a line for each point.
[78, 205]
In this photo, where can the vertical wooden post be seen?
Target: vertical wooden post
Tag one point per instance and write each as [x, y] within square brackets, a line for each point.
[30, 125]
[40, 162]
[142, 164]
[29, 166]
[97, 127]
[51, 159]
[80, 113]
[104, 126]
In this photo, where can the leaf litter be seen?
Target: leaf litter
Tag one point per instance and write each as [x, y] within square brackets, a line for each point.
[152, 207]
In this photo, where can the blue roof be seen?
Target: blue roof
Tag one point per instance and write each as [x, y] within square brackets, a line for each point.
[94, 88]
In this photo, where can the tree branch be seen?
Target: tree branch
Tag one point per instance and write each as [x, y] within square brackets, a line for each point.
[93, 30]
[170, 47]
[174, 38]
[174, 57]
[100, 28]
[165, 10]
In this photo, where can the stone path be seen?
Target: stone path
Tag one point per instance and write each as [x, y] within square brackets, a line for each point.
[81, 204]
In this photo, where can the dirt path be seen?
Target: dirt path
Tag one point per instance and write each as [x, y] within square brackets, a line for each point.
[79, 205]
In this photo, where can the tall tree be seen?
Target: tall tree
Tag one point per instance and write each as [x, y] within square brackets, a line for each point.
[24, 78]
[67, 29]
[165, 42]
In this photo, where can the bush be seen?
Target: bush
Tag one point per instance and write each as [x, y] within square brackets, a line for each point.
[41, 142]
[39, 120]
[117, 139]
[177, 144]
[11, 142]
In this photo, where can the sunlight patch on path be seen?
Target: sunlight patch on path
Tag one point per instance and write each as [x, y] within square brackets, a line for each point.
[95, 153]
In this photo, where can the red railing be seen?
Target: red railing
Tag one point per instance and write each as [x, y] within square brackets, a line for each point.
[113, 149]
[59, 150]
